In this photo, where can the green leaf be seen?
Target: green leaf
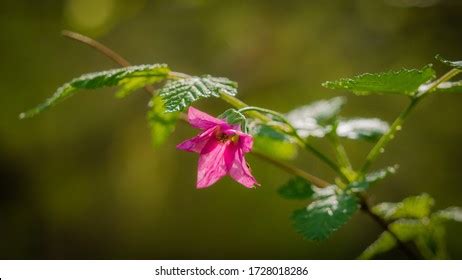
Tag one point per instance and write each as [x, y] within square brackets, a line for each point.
[123, 77]
[162, 124]
[316, 118]
[449, 87]
[269, 141]
[277, 149]
[404, 82]
[136, 83]
[383, 244]
[296, 188]
[325, 215]
[326, 192]
[432, 243]
[258, 129]
[411, 207]
[233, 116]
[363, 129]
[180, 94]
[371, 178]
[448, 214]
[406, 230]
[453, 64]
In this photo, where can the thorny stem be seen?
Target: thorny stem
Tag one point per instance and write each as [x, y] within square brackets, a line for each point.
[239, 104]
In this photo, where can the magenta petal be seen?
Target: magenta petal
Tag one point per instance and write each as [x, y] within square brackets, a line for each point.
[240, 171]
[212, 163]
[245, 142]
[202, 120]
[230, 155]
[196, 144]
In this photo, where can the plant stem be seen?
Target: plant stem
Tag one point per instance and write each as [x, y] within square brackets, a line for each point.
[98, 46]
[324, 158]
[267, 111]
[387, 137]
[293, 170]
[342, 156]
[397, 124]
[238, 104]
[433, 86]
[117, 58]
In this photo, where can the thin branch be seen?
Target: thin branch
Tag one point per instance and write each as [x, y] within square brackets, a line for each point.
[118, 59]
[98, 46]
[293, 170]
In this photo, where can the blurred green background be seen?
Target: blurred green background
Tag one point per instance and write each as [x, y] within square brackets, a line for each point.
[83, 181]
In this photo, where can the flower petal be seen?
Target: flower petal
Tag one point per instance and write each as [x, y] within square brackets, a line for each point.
[202, 120]
[240, 171]
[212, 163]
[245, 142]
[196, 144]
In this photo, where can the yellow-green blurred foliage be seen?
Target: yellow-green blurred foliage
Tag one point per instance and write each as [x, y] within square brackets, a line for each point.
[83, 181]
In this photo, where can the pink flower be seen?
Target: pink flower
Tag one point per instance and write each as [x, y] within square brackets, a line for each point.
[221, 147]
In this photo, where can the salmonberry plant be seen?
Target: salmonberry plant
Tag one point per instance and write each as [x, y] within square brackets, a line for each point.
[411, 225]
